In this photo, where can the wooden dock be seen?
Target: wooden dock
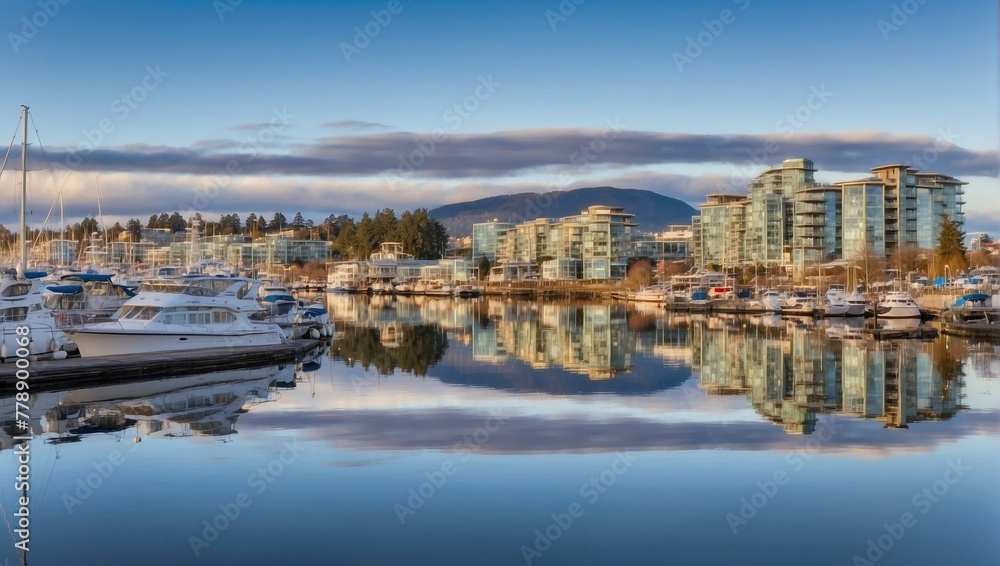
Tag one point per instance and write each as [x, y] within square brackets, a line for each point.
[919, 332]
[75, 372]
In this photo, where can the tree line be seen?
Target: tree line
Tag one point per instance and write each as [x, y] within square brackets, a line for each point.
[422, 236]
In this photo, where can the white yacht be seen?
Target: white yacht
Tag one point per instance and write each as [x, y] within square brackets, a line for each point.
[835, 301]
[658, 294]
[21, 307]
[897, 304]
[771, 301]
[181, 314]
[86, 295]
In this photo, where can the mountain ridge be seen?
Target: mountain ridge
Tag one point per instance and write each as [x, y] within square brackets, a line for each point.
[653, 211]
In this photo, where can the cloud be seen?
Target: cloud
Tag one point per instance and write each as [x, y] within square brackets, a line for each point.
[411, 155]
[352, 124]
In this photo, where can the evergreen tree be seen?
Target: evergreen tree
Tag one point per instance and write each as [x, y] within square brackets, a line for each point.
[134, 228]
[951, 246]
[278, 222]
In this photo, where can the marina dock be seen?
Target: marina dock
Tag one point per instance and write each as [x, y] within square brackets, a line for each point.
[75, 372]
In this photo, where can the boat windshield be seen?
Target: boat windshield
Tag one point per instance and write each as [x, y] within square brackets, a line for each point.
[135, 312]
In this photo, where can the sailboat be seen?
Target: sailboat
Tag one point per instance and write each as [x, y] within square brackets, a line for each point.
[22, 311]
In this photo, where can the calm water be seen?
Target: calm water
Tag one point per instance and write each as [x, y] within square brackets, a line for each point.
[503, 432]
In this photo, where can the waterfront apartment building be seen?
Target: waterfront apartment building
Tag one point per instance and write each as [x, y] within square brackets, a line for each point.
[898, 207]
[788, 220]
[486, 238]
[674, 244]
[244, 251]
[592, 245]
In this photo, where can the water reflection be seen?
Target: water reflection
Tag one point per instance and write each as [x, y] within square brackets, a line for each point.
[790, 370]
[194, 405]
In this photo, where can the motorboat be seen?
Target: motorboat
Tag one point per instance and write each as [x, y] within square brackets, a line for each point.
[87, 295]
[181, 314]
[658, 294]
[798, 303]
[771, 301]
[897, 304]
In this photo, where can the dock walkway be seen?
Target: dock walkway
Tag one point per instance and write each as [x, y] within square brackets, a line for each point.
[75, 372]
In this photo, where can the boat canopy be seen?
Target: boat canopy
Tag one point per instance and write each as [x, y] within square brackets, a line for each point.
[86, 277]
[66, 289]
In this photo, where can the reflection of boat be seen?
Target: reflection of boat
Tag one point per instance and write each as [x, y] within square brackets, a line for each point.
[897, 304]
[899, 323]
[204, 405]
[188, 314]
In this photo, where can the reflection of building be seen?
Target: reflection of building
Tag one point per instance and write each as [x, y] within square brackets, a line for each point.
[588, 339]
[792, 376]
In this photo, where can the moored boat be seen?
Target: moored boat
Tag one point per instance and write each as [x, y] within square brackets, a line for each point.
[185, 314]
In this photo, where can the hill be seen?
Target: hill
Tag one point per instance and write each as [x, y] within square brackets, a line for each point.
[653, 211]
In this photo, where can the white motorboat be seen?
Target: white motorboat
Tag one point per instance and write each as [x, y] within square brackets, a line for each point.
[798, 303]
[658, 294]
[85, 295]
[835, 301]
[897, 304]
[771, 301]
[181, 314]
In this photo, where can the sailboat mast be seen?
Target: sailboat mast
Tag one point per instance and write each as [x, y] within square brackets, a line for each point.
[22, 263]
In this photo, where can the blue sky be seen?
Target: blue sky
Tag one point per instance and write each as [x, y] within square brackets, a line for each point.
[312, 117]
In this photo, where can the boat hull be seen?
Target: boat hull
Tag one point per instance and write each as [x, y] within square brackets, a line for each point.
[95, 342]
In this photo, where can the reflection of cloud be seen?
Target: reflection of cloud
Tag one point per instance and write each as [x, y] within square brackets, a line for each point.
[441, 429]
